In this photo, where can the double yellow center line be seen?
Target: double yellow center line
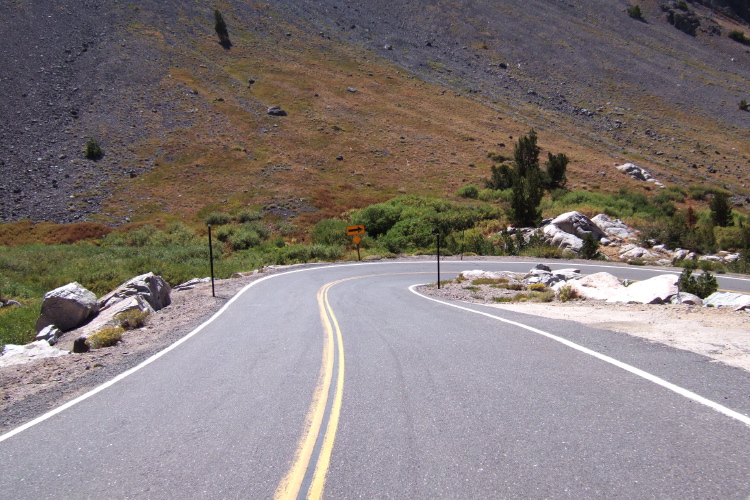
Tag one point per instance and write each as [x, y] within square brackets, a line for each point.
[306, 478]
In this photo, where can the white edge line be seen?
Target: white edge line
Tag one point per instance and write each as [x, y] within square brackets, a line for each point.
[161, 353]
[632, 369]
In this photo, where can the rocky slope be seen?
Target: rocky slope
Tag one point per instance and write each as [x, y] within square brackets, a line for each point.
[149, 82]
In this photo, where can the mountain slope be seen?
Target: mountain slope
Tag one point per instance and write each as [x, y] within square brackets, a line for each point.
[185, 132]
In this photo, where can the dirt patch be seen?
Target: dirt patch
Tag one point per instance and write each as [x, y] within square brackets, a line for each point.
[719, 333]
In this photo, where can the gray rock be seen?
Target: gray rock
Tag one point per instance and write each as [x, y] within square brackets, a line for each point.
[597, 286]
[686, 298]
[150, 287]
[613, 227]
[577, 224]
[656, 290]
[634, 252]
[541, 267]
[20, 354]
[638, 173]
[9, 303]
[737, 301]
[67, 307]
[558, 238]
[189, 285]
[49, 333]
[276, 111]
[80, 345]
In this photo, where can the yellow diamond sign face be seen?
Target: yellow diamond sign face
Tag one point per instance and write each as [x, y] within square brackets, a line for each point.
[353, 230]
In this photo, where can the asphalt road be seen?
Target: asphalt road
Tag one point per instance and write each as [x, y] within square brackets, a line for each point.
[341, 381]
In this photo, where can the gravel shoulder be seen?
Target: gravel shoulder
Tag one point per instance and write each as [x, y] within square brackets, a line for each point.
[718, 333]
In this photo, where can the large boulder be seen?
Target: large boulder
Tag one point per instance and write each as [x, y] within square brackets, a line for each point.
[567, 231]
[109, 316]
[613, 227]
[20, 354]
[547, 277]
[558, 238]
[577, 224]
[597, 286]
[638, 173]
[737, 301]
[656, 290]
[153, 289]
[67, 307]
[634, 252]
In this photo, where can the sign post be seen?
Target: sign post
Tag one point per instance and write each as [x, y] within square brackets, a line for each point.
[437, 233]
[211, 258]
[356, 231]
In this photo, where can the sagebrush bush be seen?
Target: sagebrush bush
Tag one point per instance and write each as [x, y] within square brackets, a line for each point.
[218, 218]
[739, 36]
[468, 191]
[249, 216]
[635, 12]
[566, 293]
[93, 151]
[133, 319]
[331, 232]
[106, 337]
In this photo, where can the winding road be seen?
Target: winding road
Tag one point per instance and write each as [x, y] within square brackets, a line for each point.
[343, 381]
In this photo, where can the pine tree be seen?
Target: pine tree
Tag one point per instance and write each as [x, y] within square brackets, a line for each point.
[721, 211]
[221, 29]
[556, 167]
[527, 187]
[690, 218]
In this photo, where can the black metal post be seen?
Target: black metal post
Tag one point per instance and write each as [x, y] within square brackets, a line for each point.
[211, 258]
[462, 244]
[438, 257]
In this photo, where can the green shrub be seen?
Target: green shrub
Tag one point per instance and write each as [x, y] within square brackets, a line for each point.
[537, 287]
[468, 191]
[218, 219]
[249, 216]
[739, 36]
[93, 151]
[566, 293]
[489, 194]
[590, 247]
[543, 296]
[106, 337]
[331, 232]
[244, 238]
[744, 105]
[635, 12]
[133, 319]
[703, 286]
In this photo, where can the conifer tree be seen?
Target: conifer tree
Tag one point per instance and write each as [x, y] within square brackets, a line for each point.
[221, 29]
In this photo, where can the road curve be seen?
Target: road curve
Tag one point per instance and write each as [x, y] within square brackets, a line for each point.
[340, 382]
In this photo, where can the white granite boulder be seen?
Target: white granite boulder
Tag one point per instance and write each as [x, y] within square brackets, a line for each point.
[20, 354]
[638, 173]
[153, 289]
[613, 227]
[656, 290]
[67, 307]
[737, 301]
[597, 286]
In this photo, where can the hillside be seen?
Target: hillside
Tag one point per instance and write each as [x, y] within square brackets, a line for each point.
[381, 98]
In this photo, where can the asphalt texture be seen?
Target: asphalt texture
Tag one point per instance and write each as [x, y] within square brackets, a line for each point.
[438, 402]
